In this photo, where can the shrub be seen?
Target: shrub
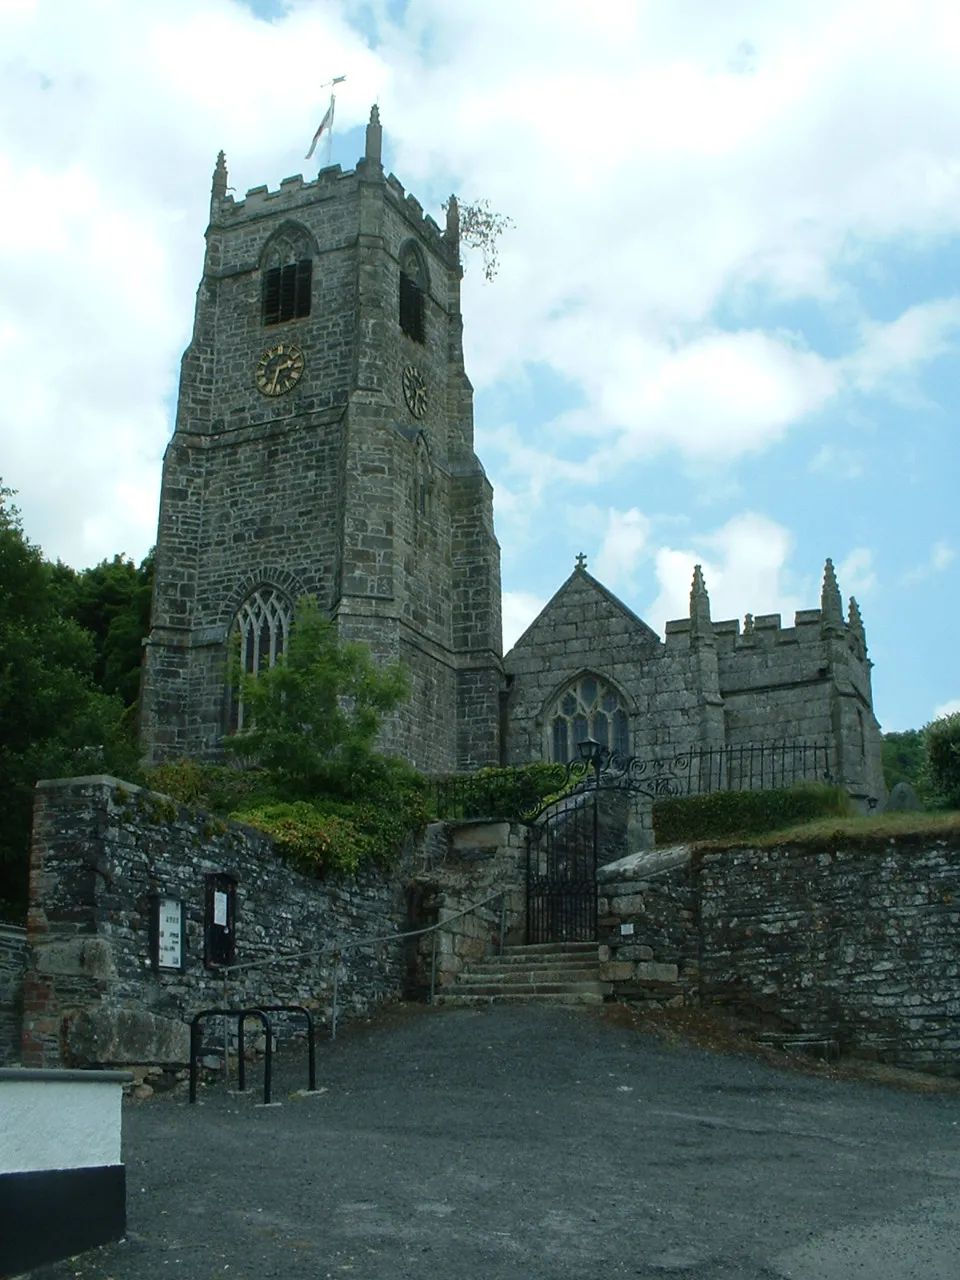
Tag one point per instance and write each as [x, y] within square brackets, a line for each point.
[498, 793]
[942, 741]
[328, 834]
[312, 841]
[216, 787]
[735, 813]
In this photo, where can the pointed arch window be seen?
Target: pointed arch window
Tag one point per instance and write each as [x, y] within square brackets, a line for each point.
[588, 708]
[263, 624]
[422, 481]
[413, 290]
[287, 274]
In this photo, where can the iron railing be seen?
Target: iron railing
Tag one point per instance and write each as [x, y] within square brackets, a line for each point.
[519, 794]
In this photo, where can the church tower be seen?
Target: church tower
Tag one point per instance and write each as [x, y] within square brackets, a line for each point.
[324, 445]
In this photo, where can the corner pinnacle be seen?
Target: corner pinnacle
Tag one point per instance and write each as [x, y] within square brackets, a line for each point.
[699, 604]
[219, 187]
[831, 606]
[374, 148]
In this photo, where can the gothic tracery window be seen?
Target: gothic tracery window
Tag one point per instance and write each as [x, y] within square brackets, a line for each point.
[263, 625]
[422, 481]
[287, 273]
[589, 708]
[413, 289]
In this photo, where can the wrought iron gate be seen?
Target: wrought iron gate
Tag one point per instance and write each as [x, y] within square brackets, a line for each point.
[562, 873]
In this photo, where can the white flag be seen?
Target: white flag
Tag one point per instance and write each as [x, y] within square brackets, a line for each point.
[325, 123]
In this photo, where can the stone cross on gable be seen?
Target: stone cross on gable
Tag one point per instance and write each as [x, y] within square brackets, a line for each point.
[581, 561]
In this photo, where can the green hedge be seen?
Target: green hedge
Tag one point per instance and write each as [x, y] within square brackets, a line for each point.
[747, 813]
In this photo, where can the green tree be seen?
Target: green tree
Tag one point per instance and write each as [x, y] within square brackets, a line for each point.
[942, 738]
[54, 721]
[111, 601]
[904, 758]
[316, 714]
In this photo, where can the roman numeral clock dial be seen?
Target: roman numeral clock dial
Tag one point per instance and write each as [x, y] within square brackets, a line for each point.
[279, 369]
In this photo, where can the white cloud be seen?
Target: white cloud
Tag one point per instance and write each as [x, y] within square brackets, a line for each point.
[842, 464]
[941, 556]
[889, 351]
[744, 566]
[656, 161]
[519, 610]
[950, 708]
[623, 546]
[855, 573]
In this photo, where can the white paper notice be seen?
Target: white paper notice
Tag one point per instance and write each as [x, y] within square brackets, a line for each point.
[170, 944]
[219, 908]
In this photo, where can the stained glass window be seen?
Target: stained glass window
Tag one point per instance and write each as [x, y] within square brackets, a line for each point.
[588, 709]
[263, 623]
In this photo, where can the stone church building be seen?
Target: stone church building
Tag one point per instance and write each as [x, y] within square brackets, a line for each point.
[324, 445]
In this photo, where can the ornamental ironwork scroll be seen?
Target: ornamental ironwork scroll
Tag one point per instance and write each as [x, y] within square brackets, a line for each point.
[657, 778]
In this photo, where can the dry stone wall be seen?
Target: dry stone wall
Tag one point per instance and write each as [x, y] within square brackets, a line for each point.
[856, 941]
[103, 851]
[13, 959]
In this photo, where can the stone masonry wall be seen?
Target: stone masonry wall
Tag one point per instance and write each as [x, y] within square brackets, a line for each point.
[467, 863]
[647, 925]
[13, 960]
[858, 941]
[102, 850]
[707, 686]
[338, 487]
[583, 628]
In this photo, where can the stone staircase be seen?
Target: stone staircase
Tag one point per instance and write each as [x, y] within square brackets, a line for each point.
[554, 972]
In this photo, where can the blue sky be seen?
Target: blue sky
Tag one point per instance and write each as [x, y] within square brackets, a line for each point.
[726, 323]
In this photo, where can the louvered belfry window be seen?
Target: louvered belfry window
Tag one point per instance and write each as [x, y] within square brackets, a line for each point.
[413, 295]
[287, 278]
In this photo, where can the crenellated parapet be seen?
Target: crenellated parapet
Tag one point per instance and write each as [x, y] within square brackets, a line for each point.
[333, 182]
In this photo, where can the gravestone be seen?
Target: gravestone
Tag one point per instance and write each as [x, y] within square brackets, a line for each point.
[903, 799]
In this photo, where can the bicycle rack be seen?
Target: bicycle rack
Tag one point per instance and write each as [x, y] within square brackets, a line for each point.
[241, 1015]
[311, 1046]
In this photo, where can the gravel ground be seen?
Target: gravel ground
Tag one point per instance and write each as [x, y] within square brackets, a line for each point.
[538, 1143]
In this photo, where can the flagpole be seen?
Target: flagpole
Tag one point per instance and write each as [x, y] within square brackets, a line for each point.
[326, 124]
[333, 103]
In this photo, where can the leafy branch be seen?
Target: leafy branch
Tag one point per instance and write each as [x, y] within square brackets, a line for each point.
[481, 228]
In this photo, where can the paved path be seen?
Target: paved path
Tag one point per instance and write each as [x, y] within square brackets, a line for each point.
[540, 1144]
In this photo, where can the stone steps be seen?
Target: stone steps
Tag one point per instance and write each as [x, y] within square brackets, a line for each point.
[551, 949]
[564, 972]
[457, 1000]
[535, 973]
[472, 988]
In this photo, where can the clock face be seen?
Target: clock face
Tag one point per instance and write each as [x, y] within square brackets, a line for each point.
[415, 390]
[279, 369]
